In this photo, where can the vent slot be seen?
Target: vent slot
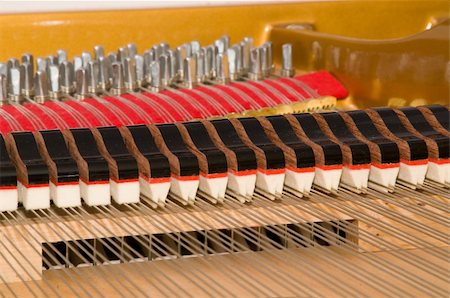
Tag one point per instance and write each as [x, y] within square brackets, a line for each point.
[156, 247]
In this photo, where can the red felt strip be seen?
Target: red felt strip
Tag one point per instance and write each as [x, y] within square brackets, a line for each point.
[207, 105]
[215, 94]
[68, 117]
[175, 115]
[126, 107]
[242, 102]
[114, 118]
[279, 87]
[324, 83]
[46, 119]
[20, 118]
[169, 106]
[88, 115]
[261, 86]
[192, 110]
[5, 126]
[259, 101]
[147, 106]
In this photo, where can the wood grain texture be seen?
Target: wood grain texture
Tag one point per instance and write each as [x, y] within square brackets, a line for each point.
[143, 163]
[261, 159]
[21, 169]
[318, 151]
[405, 152]
[24, 238]
[433, 150]
[82, 165]
[289, 153]
[229, 154]
[433, 121]
[159, 140]
[375, 152]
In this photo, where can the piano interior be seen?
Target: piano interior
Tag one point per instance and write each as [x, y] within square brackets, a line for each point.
[283, 150]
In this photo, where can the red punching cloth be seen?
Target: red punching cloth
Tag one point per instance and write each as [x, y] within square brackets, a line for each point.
[169, 105]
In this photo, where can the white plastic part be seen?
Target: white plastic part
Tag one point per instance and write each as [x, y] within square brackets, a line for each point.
[214, 187]
[241, 184]
[413, 174]
[9, 199]
[438, 172]
[271, 183]
[328, 179]
[357, 178]
[155, 191]
[299, 181]
[126, 192]
[385, 177]
[96, 194]
[447, 177]
[66, 195]
[37, 197]
[184, 189]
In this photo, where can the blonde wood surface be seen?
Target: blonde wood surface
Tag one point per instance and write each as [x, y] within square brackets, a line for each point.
[28, 234]
[248, 266]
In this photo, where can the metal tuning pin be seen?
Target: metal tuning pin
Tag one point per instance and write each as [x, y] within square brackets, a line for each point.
[122, 54]
[99, 52]
[139, 60]
[66, 78]
[62, 56]
[222, 72]
[172, 65]
[226, 41]
[180, 54]
[53, 78]
[132, 50]
[287, 69]
[247, 45]
[147, 71]
[269, 59]
[200, 62]
[129, 71]
[52, 60]
[92, 77]
[3, 91]
[41, 64]
[265, 68]
[13, 85]
[86, 58]
[81, 84]
[28, 58]
[41, 93]
[3, 69]
[77, 63]
[210, 62]
[188, 48]
[164, 47]
[220, 45]
[232, 62]
[156, 51]
[195, 47]
[104, 73]
[112, 57]
[239, 59]
[255, 72]
[164, 69]
[13, 63]
[26, 80]
[155, 74]
[190, 71]
[118, 83]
